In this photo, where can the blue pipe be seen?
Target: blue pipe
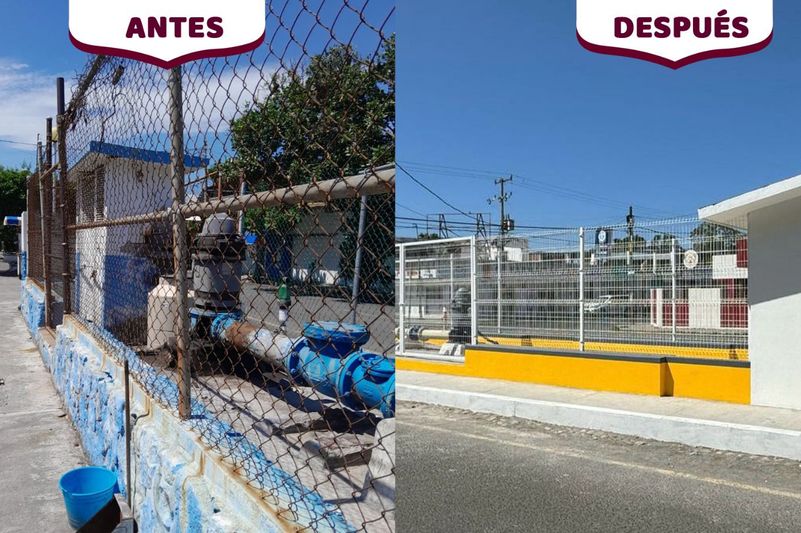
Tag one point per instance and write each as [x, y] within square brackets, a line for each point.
[328, 357]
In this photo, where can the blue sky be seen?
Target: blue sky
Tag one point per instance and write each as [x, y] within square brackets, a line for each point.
[34, 50]
[504, 87]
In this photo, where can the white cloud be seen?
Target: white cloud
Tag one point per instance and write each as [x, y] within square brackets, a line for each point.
[135, 111]
[27, 98]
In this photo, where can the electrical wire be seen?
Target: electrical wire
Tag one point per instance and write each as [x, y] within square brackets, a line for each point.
[440, 198]
[18, 142]
[528, 183]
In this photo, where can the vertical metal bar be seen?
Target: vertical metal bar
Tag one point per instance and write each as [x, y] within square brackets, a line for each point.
[357, 268]
[48, 143]
[402, 300]
[44, 204]
[450, 297]
[61, 122]
[473, 292]
[673, 288]
[499, 264]
[581, 289]
[180, 252]
[48, 184]
[241, 220]
[127, 377]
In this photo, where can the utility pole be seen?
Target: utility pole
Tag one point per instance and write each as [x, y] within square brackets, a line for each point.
[630, 226]
[506, 225]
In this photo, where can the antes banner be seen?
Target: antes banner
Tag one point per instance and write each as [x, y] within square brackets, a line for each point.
[674, 33]
[167, 33]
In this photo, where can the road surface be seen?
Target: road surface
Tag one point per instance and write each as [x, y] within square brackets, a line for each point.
[465, 472]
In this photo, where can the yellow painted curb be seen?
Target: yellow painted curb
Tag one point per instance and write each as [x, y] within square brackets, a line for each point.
[651, 375]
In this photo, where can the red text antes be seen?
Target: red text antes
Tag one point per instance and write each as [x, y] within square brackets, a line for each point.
[161, 27]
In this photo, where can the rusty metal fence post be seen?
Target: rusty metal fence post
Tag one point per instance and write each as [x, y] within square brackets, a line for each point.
[44, 215]
[48, 185]
[180, 252]
[62, 196]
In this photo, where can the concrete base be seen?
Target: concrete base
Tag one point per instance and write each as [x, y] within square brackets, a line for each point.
[716, 432]
[179, 481]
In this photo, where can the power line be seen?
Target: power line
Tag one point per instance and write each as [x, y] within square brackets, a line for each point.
[440, 198]
[409, 209]
[464, 224]
[17, 142]
[534, 184]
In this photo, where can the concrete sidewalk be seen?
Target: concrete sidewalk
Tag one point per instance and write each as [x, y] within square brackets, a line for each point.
[37, 441]
[740, 428]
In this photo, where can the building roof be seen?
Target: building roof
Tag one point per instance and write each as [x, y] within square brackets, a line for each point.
[734, 211]
[97, 148]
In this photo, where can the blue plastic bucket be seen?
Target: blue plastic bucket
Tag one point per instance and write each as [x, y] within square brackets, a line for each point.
[86, 490]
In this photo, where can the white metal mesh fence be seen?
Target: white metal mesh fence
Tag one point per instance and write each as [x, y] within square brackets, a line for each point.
[433, 279]
[674, 287]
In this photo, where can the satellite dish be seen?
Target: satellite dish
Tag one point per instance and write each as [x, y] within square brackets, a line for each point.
[690, 259]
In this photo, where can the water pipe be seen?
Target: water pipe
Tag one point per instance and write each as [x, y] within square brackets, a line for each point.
[328, 357]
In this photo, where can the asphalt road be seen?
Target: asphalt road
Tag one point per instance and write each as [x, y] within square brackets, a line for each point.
[464, 472]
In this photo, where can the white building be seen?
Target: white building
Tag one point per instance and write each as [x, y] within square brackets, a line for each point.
[772, 216]
[112, 278]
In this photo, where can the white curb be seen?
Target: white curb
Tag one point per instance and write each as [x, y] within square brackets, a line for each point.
[756, 440]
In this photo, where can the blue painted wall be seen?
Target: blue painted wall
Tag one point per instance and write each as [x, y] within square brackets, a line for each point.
[179, 484]
[127, 281]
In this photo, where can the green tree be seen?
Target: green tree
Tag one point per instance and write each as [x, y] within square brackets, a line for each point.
[13, 190]
[662, 243]
[331, 119]
[710, 239]
[621, 246]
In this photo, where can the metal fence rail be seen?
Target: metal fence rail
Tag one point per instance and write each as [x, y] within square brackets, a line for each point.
[229, 233]
[675, 286]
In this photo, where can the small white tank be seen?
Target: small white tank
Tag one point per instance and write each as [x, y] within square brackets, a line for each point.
[162, 313]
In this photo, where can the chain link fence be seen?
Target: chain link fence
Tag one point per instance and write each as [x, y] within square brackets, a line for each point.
[35, 252]
[227, 230]
[674, 287]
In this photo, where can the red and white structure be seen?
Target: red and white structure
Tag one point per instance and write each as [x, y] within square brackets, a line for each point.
[712, 307]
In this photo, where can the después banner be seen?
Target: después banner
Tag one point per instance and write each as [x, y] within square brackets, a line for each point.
[674, 33]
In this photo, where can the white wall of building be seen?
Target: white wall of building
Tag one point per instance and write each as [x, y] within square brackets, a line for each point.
[317, 240]
[774, 294]
[129, 187]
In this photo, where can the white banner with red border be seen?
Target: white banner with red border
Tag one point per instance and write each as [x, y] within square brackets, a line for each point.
[167, 33]
[674, 33]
